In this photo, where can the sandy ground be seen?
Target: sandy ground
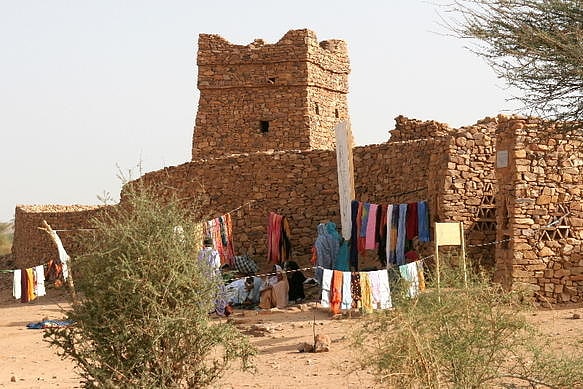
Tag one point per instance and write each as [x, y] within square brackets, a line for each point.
[26, 361]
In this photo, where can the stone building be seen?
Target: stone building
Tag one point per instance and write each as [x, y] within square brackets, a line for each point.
[264, 137]
[540, 208]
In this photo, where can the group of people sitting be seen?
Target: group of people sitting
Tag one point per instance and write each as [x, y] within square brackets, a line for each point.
[276, 290]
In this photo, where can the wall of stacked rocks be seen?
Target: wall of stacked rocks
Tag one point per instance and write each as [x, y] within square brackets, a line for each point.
[539, 170]
[462, 179]
[263, 97]
[302, 185]
[32, 246]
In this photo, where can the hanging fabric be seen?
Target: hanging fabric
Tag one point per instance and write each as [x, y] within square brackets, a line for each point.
[279, 247]
[370, 243]
[410, 274]
[401, 234]
[354, 206]
[17, 284]
[423, 221]
[326, 288]
[39, 281]
[346, 290]
[336, 292]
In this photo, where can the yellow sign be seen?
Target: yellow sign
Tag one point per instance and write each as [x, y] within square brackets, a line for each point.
[448, 234]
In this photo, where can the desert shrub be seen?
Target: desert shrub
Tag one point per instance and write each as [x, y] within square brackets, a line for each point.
[142, 320]
[473, 337]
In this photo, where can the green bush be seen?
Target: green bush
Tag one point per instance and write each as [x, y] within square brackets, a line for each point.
[461, 338]
[142, 320]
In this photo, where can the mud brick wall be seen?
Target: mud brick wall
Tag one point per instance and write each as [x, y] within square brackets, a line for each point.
[540, 208]
[32, 246]
[263, 97]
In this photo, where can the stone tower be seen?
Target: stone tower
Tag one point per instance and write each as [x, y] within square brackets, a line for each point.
[283, 96]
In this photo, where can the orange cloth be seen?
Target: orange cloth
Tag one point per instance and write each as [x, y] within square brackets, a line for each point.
[336, 292]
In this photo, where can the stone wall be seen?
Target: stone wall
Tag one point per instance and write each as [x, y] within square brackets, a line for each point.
[259, 97]
[539, 172]
[32, 247]
[302, 185]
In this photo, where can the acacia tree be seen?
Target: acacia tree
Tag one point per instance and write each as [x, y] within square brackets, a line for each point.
[535, 45]
[142, 317]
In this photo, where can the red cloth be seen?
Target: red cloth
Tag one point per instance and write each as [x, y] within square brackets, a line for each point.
[273, 237]
[412, 221]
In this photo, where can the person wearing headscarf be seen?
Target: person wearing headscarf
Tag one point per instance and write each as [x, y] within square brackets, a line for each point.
[274, 291]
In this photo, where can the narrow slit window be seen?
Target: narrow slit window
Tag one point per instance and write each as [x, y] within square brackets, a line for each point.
[264, 126]
[336, 114]
[317, 109]
[271, 80]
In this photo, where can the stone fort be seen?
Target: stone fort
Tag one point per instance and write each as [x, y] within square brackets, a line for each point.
[264, 138]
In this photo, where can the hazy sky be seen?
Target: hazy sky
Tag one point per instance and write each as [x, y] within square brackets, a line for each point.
[87, 86]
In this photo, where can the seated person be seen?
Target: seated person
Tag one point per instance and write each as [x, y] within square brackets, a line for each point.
[244, 291]
[274, 291]
[296, 282]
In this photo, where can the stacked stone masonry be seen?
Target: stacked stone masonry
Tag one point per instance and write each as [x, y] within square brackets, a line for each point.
[302, 185]
[32, 246]
[540, 208]
[283, 96]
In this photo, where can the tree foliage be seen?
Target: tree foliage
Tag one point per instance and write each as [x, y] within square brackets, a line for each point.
[535, 45]
[142, 321]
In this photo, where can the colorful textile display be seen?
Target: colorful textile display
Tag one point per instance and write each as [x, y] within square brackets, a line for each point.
[220, 229]
[279, 248]
[389, 229]
[347, 290]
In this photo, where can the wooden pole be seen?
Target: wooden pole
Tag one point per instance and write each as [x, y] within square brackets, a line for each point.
[463, 246]
[63, 257]
[437, 266]
[345, 166]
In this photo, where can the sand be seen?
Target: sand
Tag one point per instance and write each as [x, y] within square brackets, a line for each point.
[27, 361]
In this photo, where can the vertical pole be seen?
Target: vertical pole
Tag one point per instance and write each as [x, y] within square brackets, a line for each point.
[463, 245]
[345, 166]
[437, 266]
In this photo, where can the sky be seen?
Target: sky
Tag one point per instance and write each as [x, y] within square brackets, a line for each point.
[94, 90]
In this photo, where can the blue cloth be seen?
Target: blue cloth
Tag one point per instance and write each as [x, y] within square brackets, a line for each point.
[327, 245]
[48, 324]
[401, 234]
[364, 218]
[394, 226]
[423, 221]
[342, 258]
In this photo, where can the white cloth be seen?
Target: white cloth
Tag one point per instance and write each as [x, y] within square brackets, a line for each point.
[63, 256]
[39, 281]
[16, 285]
[409, 274]
[346, 292]
[326, 284]
[385, 290]
[375, 286]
